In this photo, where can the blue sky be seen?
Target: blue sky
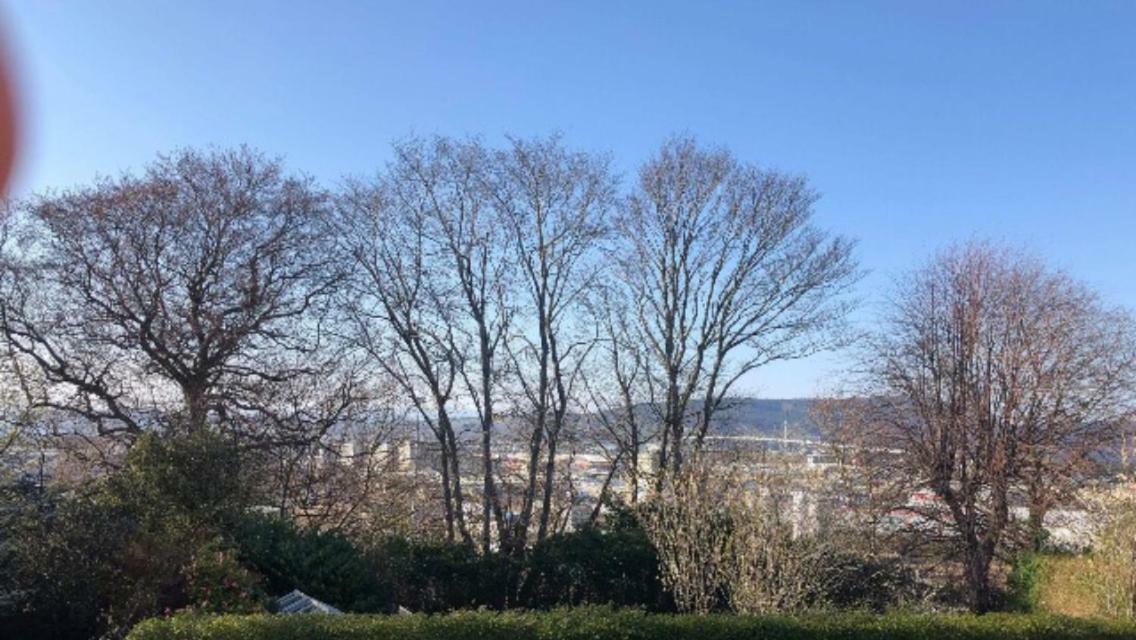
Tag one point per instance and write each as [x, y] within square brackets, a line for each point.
[921, 123]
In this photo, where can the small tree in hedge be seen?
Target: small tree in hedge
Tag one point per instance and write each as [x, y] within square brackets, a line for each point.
[772, 568]
[198, 478]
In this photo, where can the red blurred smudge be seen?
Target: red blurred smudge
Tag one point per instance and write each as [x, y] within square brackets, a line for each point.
[8, 122]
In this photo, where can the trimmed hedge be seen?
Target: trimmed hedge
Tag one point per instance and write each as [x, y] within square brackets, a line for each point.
[609, 624]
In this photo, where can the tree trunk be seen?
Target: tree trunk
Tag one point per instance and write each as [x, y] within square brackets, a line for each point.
[549, 481]
[455, 475]
[490, 505]
[536, 443]
[197, 407]
[634, 456]
[1036, 526]
[447, 497]
[980, 594]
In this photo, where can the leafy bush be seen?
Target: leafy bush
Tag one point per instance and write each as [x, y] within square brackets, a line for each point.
[93, 560]
[59, 563]
[433, 576]
[1024, 584]
[199, 477]
[324, 565]
[612, 564]
[627, 624]
[216, 582]
[616, 566]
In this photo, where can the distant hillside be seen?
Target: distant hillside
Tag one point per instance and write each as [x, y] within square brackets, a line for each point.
[766, 417]
[743, 416]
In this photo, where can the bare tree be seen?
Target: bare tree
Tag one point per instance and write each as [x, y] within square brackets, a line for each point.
[328, 458]
[1081, 373]
[986, 364]
[476, 264]
[18, 388]
[196, 289]
[467, 241]
[869, 480]
[616, 387]
[397, 309]
[555, 205]
[727, 274]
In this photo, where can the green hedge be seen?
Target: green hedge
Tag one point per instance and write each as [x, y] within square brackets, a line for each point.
[608, 624]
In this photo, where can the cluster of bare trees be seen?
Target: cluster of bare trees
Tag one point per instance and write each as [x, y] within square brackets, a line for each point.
[520, 283]
[524, 289]
[476, 266]
[511, 284]
[993, 385]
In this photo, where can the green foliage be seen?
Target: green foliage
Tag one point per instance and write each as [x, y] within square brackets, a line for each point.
[432, 576]
[59, 562]
[324, 565]
[171, 532]
[616, 566]
[164, 535]
[628, 624]
[93, 560]
[197, 477]
[217, 583]
[1025, 582]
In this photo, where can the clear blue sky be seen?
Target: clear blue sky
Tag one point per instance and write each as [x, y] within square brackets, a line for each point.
[920, 122]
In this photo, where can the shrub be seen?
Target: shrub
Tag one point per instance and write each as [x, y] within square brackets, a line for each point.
[611, 564]
[92, 560]
[1024, 584]
[1112, 561]
[324, 565]
[690, 524]
[1067, 588]
[216, 582]
[616, 566]
[626, 624]
[875, 584]
[59, 555]
[199, 477]
[433, 576]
